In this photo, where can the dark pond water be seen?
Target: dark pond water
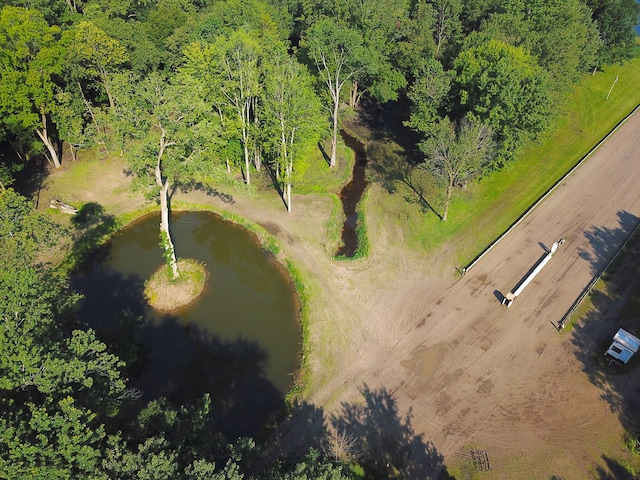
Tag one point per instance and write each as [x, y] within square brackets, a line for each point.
[239, 341]
[351, 195]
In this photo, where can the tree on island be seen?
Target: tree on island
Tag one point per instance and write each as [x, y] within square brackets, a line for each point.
[171, 134]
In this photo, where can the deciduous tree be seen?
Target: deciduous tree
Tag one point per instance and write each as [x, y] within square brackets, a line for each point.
[456, 154]
[616, 20]
[94, 56]
[337, 52]
[292, 117]
[31, 65]
[503, 87]
[231, 71]
[58, 384]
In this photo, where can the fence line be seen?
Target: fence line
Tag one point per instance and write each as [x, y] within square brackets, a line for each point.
[548, 192]
[567, 316]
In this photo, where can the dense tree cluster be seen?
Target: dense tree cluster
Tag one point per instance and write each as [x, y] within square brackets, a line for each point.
[214, 89]
[500, 63]
[260, 71]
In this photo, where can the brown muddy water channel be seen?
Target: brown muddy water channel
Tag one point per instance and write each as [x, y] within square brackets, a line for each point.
[240, 341]
[351, 195]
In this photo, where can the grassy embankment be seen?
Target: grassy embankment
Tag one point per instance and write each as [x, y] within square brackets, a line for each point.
[482, 213]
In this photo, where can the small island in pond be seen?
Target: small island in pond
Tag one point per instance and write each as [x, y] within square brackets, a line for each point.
[167, 295]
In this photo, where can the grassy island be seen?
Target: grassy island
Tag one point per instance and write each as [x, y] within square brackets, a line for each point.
[168, 295]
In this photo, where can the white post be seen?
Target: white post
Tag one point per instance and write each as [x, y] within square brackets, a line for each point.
[614, 82]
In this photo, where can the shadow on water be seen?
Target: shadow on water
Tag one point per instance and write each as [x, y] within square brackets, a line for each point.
[370, 431]
[240, 352]
[351, 195]
[616, 306]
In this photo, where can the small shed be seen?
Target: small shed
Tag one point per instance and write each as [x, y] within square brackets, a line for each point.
[623, 347]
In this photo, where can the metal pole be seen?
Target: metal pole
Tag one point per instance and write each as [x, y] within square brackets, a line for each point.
[614, 82]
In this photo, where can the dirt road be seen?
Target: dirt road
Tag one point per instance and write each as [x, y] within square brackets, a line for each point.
[475, 372]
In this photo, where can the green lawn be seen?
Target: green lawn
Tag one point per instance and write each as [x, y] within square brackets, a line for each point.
[482, 213]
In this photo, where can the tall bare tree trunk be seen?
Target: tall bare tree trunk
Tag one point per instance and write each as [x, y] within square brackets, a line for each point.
[165, 233]
[44, 136]
[334, 138]
[446, 202]
[353, 97]
[107, 88]
[164, 228]
[288, 196]
[244, 118]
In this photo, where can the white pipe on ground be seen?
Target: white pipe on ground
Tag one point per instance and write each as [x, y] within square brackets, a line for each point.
[511, 296]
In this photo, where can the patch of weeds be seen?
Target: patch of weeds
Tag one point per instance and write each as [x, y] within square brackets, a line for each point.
[303, 374]
[631, 443]
[333, 227]
[364, 247]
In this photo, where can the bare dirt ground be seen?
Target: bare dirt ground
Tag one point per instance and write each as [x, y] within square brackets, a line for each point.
[473, 373]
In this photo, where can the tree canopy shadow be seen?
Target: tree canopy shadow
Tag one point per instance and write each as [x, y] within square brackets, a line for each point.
[386, 441]
[29, 172]
[92, 225]
[619, 386]
[606, 242]
[387, 119]
[390, 169]
[616, 306]
[324, 153]
[207, 189]
[614, 470]
[370, 432]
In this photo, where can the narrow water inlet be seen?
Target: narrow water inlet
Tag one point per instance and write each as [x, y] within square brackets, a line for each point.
[351, 195]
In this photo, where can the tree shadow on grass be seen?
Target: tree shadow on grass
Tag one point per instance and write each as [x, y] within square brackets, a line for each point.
[326, 157]
[391, 169]
[614, 470]
[93, 226]
[207, 189]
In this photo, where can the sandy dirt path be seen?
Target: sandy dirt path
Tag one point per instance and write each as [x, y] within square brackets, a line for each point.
[474, 371]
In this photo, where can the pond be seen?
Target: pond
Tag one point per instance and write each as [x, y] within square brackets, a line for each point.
[240, 341]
